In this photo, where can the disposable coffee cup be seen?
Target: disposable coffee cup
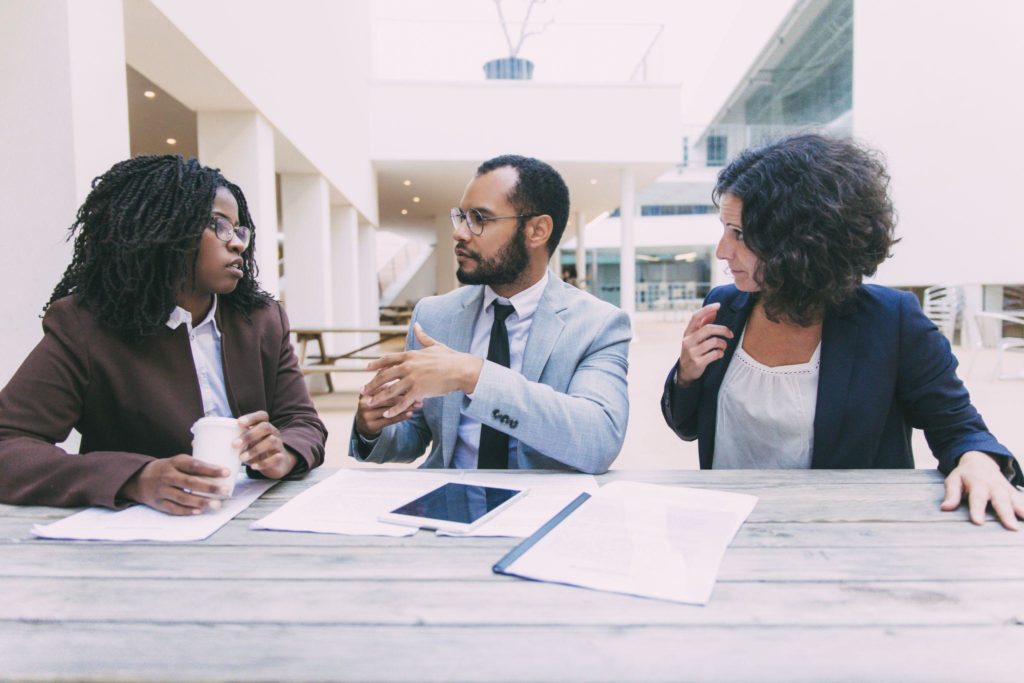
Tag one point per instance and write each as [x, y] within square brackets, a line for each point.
[212, 444]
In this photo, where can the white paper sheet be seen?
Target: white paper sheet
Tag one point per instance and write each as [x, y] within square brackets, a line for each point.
[641, 539]
[141, 523]
[548, 494]
[350, 501]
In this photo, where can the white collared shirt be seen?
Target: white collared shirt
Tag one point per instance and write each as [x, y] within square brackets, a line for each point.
[205, 340]
[518, 326]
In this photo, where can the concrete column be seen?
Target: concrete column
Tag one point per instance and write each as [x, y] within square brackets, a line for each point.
[241, 145]
[306, 219]
[555, 262]
[627, 252]
[582, 280]
[445, 250]
[345, 272]
[369, 284]
[63, 121]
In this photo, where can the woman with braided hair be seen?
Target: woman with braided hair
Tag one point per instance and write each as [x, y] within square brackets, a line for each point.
[157, 322]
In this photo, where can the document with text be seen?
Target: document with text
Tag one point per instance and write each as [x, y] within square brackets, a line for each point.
[141, 523]
[650, 540]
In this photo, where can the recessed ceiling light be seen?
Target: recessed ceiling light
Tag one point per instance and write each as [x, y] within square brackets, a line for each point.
[405, 212]
[407, 183]
[416, 200]
[171, 141]
[593, 181]
[150, 94]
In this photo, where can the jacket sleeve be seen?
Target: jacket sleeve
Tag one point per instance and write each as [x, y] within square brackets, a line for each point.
[935, 399]
[401, 442]
[679, 405]
[291, 409]
[584, 427]
[38, 409]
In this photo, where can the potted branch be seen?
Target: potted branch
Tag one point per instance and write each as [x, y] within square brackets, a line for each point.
[514, 67]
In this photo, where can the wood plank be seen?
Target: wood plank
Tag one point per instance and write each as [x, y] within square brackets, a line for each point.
[938, 563]
[376, 653]
[488, 603]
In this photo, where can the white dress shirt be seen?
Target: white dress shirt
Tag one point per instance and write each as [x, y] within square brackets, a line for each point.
[518, 325]
[206, 349]
[766, 415]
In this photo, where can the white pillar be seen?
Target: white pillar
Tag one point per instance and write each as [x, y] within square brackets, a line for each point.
[241, 145]
[63, 121]
[582, 281]
[306, 219]
[627, 252]
[369, 284]
[555, 262]
[345, 270]
[445, 250]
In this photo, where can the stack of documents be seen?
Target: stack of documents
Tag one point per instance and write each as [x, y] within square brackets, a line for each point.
[641, 539]
[141, 523]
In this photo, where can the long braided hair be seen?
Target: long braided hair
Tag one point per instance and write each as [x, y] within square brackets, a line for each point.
[137, 240]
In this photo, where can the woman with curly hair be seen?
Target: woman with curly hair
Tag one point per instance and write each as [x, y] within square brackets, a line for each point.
[157, 322]
[801, 365]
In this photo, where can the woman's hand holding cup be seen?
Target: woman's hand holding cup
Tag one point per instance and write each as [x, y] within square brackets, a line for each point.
[262, 448]
[173, 485]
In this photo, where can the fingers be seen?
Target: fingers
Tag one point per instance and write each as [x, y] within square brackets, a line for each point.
[253, 418]
[185, 502]
[386, 361]
[954, 487]
[1002, 505]
[382, 378]
[977, 501]
[189, 465]
[370, 421]
[422, 337]
[701, 317]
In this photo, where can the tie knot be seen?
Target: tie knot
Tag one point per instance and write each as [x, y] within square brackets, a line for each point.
[502, 311]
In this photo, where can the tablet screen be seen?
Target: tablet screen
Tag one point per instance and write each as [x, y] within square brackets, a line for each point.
[463, 503]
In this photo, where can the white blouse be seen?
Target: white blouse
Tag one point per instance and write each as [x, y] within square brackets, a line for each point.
[766, 415]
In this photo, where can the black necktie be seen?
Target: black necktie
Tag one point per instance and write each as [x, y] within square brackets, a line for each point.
[493, 452]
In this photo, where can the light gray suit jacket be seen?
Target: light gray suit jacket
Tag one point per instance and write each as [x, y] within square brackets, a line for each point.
[568, 409]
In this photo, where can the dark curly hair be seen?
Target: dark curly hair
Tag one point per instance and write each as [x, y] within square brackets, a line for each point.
[540, 190]
[137, 238]
[817, 214]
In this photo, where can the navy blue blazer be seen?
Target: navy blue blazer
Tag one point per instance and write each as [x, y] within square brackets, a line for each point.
[885, 369]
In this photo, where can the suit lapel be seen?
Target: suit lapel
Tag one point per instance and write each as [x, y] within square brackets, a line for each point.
[734, 316]
[238, 378]
[838, 352]
[544, 331]
[459, 338]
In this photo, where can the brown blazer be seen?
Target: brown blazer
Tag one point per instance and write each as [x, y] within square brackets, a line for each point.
[135, 401]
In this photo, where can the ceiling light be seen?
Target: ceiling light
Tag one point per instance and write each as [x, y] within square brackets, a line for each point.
[416, 200]
[648, 258]
[150, 94]
[407, 183]
[593, 181]
[171, 141]
[689, 257]
[405, 212]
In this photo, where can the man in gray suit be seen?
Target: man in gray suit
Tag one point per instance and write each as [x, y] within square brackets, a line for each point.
[518, 370]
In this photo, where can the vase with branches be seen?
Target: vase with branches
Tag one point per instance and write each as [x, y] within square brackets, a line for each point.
[513, 66]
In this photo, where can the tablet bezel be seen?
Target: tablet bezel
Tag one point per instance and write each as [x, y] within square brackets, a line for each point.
[449, 525]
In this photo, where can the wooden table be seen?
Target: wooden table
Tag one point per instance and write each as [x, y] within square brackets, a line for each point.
[353, 360]
[835, 576]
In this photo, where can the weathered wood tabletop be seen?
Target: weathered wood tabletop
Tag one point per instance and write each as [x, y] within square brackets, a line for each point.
[835, 576]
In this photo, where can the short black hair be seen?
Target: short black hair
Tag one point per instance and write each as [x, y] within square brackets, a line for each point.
[540, 190]
[137, 238]
[818, 216]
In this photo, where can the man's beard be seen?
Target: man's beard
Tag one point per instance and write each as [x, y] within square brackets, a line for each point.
[505, 268]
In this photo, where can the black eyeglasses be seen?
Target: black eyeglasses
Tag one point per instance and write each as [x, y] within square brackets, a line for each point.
[475, 220]
[227, 232]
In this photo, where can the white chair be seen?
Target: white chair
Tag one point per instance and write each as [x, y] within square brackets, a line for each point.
[987, 319]
[943, 304]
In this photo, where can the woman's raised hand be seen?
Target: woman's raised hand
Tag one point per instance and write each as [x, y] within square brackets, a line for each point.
[703, 343]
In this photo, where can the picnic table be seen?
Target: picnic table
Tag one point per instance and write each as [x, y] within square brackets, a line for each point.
[353, 360]
[836, 575]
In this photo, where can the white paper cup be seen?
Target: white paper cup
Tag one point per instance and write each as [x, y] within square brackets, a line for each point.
[212, 444]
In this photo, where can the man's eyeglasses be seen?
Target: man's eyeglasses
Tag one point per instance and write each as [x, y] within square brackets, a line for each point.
[227, 232]
[475, 220]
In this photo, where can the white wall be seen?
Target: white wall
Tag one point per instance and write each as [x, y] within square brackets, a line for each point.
[442, 121]
[63, 121]
[937, 88]
[304, 66]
